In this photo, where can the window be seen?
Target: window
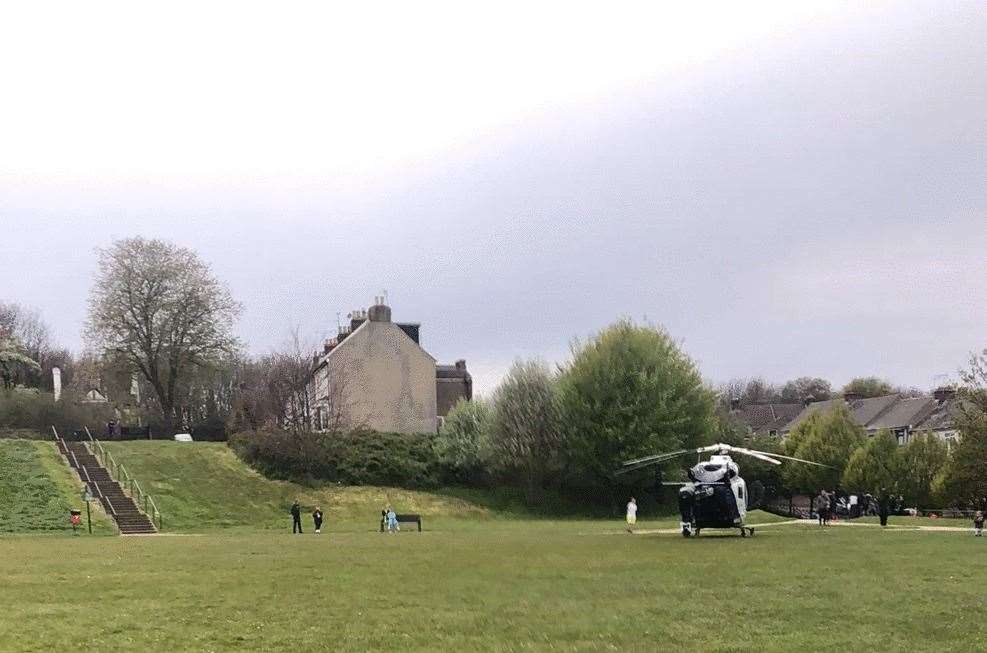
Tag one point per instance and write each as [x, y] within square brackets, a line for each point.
[740, 491]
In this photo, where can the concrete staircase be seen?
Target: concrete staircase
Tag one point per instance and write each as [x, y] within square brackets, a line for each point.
[129, 518]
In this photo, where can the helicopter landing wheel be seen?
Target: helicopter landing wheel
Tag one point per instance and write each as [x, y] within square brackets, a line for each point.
[751, 531]
[743, 532]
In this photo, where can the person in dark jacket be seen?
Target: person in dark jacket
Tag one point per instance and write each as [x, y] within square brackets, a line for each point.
[296, 518]
[883, 506]
[317, 519]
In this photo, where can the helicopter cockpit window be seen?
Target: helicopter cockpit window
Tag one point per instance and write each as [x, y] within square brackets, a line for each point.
[740, 492]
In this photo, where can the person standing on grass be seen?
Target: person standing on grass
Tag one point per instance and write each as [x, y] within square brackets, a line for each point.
[631, 515]
[317, 519]
[296, 518]
[883, 506]
[978, 523]
[822, 507]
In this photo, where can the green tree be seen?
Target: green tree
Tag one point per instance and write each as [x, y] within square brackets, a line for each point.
[829, 437]
[964, 482]
[525, 427]
[628, 392]
[13, 360]
[868, 386]
[462, 445]
[921, 462]
[874, 465]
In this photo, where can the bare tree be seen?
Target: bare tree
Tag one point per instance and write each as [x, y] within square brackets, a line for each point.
[159, 306]
[291, 389]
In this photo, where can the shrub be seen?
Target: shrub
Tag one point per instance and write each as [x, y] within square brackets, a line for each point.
[354, 458]
[463, 444]
[38, 411]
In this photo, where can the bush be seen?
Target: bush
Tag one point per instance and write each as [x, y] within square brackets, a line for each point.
[463, 446]
[352, 458]
[38, 411]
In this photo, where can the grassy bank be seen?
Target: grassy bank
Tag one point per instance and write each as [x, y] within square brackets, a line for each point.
[37, 490]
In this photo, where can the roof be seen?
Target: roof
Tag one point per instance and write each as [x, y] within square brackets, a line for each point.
[888, 412]
[763, 418]
[905, 412]
[943, 416]
[451, 372]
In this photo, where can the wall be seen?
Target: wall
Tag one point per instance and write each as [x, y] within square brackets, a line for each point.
[382, 380]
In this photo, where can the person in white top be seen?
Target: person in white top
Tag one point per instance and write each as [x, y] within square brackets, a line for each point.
[631, 515]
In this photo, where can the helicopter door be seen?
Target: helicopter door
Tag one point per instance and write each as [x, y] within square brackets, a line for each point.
[740, 492]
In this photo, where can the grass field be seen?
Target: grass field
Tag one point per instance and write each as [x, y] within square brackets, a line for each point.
[515, 585]
[37, 489]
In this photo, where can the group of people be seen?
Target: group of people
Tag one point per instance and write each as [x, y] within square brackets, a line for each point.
[388, 516]
[296, 518]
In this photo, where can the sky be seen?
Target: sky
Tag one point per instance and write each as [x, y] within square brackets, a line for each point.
[788, 188]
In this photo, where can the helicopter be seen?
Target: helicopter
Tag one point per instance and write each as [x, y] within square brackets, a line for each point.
[715, 495]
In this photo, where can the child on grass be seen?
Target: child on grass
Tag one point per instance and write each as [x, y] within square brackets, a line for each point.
[392, 521]
[631, 515]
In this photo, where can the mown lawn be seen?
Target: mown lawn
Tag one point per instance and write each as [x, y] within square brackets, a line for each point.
[37, 490]
[510, 586]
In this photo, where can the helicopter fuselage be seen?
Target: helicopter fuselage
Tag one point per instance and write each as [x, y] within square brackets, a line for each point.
[715, 497]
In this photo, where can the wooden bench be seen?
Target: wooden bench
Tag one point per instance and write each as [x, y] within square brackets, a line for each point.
[402, 519]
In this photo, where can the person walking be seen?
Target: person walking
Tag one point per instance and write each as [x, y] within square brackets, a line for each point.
[296, 518]
[631, 515]
[978, 523]
[822, 505]
[317, 519]
[883, 506]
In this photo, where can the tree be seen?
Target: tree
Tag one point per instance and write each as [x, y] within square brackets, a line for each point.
[628, 392]
[462, 445]
[829, 437]
[525, 428]
[874, 465]
[160, 307]
[748, 391]
[13, 360]
[921, 461]
[964, 482]
[868, 386]
[805, 389]
[25, 344]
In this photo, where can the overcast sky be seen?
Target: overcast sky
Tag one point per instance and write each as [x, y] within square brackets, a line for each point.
[789, 188]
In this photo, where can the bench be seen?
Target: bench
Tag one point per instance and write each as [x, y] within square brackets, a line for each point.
[402, 519]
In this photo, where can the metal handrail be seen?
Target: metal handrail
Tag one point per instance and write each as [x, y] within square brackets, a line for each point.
[123, 477]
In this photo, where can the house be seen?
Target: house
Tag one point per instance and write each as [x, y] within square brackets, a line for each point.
[765, 419]
[375, 374]
[452, 383]
[902, 416]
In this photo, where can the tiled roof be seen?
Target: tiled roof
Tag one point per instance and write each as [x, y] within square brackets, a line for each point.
[762, 418]
[889, 412]
[906, 412]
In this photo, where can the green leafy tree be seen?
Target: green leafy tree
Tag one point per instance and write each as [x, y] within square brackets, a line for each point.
[628, 392]
[874, 465]
[964, 482]
[462, 445]
[921, 462]
[13, 360]
[868, 386]
[525, 427]
[829, 437]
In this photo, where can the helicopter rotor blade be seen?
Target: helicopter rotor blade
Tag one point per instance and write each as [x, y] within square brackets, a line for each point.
[798, 460]
[657, 457]
[760, 455]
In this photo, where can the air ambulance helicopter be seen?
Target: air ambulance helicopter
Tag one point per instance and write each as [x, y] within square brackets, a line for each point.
[715, 495]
